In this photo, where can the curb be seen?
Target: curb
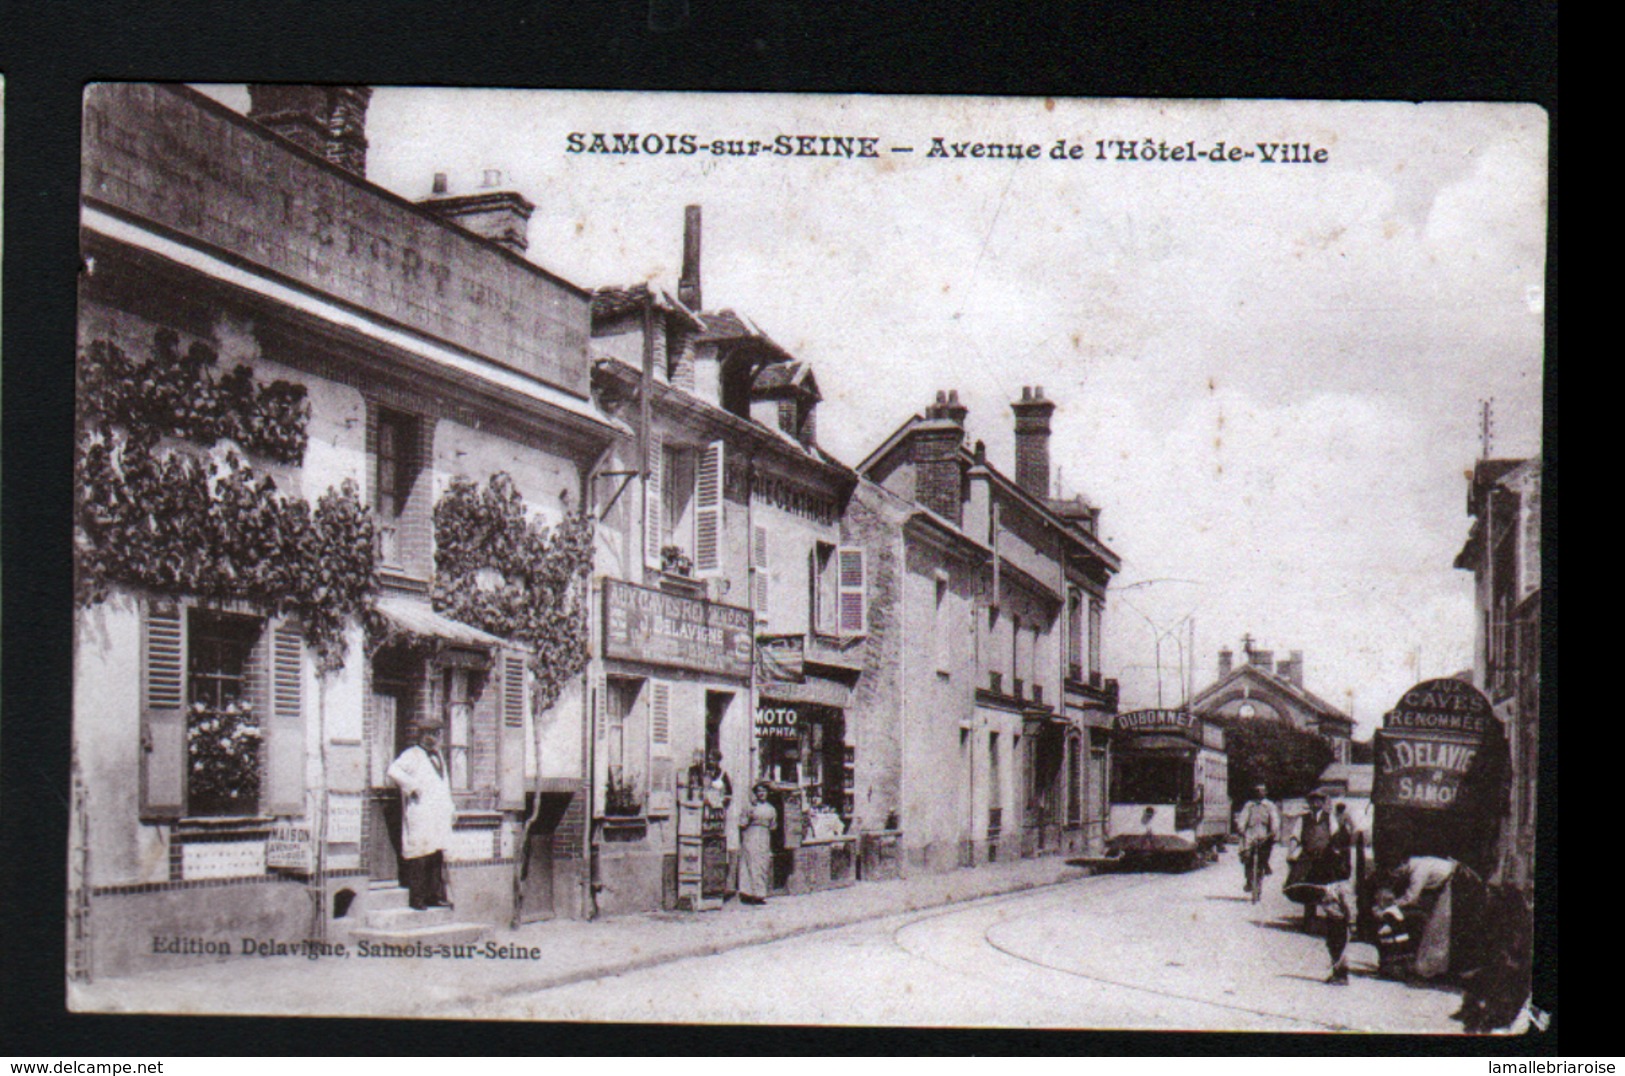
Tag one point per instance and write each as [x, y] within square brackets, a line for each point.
[714, 948]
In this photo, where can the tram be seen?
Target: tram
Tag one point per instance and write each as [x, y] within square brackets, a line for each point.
[1170, 789]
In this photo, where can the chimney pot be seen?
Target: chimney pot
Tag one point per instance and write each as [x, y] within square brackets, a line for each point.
[1033, 413]
[329, 121]
[439, 183]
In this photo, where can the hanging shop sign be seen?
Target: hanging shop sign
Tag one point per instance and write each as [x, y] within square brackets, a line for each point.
[1447, 705]
[781, 658]
[650, 626]
[817, 690]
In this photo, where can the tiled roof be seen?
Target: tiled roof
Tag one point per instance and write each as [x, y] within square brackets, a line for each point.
[613, 301]
[792, 374]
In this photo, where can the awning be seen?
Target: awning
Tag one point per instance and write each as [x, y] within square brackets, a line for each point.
[416, 618]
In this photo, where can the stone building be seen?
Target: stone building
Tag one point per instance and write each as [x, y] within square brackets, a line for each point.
[250, 261]
[1263, 687]
[728, 606]
[1503, 553]
[993, 592]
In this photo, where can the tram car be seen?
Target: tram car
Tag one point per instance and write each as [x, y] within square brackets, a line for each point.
[1170, 789]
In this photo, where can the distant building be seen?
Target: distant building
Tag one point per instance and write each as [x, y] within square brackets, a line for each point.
[1503, 553]
[1262, 687]
[998, 590]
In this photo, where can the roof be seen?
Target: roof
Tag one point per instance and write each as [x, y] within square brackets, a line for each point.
[613, 302]
[786, 375]
[1304, 696]
[416, 618]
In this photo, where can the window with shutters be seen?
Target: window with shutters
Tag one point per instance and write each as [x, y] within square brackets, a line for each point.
[396, 465]
[824, 592]
[626, 748]
[223, 722]
[683, 522]
[1096, 611]
[1074, 634]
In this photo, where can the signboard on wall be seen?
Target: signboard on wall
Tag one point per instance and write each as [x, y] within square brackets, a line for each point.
[1422, 771]
[1165, 722]
[777, 723]
[649, 626]
[289, 848]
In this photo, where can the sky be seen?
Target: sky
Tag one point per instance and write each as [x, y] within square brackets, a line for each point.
[1268, 376]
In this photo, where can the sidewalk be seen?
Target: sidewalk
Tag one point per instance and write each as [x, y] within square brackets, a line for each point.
[571, 951]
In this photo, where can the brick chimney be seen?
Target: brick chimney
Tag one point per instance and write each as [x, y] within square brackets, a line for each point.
[329, 121]
[1225, 661]
[688, 285]
[1032, 440]
[1291, 670]
[938, 483]
[502, 216]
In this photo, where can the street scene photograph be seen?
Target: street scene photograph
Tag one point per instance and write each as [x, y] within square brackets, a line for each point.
[811, 560]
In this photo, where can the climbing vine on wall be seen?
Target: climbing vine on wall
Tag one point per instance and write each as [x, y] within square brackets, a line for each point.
[506, 573]
[210, 525]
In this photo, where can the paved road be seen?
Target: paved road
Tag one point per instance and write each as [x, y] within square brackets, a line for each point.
[1166, 951]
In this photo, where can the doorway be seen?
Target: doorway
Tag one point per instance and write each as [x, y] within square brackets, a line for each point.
[536, 882]
[394, 700]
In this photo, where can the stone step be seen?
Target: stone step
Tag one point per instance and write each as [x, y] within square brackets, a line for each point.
[383, 898]
[406, 918]
[440, 934]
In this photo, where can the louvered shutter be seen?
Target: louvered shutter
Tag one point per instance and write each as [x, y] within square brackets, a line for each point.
[759, 562]
[852, 590]
[815, 604]
[599, 702]
[163, 712]
[654, 502]
[661, 792]
[284, 725]
[708, 509]
[511, 733]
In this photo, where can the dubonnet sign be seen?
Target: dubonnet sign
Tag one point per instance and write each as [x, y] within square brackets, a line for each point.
[656, 628]
[1168, 722]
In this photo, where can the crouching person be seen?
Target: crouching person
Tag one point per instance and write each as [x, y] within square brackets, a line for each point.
[1338, 904]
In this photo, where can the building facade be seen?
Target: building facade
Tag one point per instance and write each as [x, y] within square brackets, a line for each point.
[997, 591]
[1262, 687]
[263, 328]
[729, 607]
[1503, 553]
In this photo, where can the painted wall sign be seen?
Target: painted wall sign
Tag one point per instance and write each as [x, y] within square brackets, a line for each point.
[1175, 722]
[650, 626]
[163, 155]
[777, 723]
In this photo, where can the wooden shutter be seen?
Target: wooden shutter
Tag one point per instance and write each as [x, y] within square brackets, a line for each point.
[284, 725]
[598, 692]
[661, 792]
[708, 509]
[163, 712]
[653, 502]
[759, 562]
[852, 595]
[815, 604]
[511, 733]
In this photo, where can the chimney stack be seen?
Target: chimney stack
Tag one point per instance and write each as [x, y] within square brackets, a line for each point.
[329, 121]
[503, 217]
[1032, 441]
[1225, 659]
[1291, 670]
[938, 437]
[688, 285]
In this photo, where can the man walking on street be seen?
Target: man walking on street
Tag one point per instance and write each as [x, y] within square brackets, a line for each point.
[1260, 828]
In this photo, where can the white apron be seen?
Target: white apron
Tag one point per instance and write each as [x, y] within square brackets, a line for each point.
[427, 810]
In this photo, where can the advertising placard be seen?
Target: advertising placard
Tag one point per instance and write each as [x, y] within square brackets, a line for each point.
[650, 626]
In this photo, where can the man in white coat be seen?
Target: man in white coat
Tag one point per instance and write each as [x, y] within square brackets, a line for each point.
[427, 812]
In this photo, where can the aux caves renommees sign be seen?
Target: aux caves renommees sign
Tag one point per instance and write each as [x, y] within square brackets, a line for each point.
[1431, 744]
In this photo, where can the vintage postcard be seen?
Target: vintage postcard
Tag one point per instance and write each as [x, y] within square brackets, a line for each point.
[854, 560]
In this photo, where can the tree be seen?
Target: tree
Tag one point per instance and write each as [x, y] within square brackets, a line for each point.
[1273, 753]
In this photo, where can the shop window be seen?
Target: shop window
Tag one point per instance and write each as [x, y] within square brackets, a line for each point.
[813, 757]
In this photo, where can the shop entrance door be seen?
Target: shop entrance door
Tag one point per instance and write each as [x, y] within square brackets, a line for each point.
[386, 736]
[1049, 750]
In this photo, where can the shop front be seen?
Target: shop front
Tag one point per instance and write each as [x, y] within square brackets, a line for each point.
[806, 752]
[669, 696]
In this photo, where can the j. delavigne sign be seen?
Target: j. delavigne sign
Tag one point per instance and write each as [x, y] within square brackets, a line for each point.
[650, 626]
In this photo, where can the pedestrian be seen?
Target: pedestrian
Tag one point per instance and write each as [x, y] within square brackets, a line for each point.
[1260, 828]
[427, 813]
[756, 846]
[1338, 901]
[1309, 855]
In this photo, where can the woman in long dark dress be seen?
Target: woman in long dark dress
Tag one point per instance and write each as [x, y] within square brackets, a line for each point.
[756, 846]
